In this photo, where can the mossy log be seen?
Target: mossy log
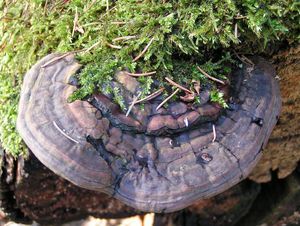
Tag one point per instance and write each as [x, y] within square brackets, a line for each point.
[29, 191]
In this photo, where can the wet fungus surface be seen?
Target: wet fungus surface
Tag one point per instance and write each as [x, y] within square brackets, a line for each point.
[154, 160]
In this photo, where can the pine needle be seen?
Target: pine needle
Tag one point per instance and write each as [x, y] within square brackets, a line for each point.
[57, 58]
[132, 104]
[91, 47]
[144, 51]
[118, 22]
[124, 38]
[210, 77]
[75, 21]
[177, 85]
[107, 5]
[141, 74]
[151, 96]
[114, 46]
[63, 133]
[167, 99]
[236, 31]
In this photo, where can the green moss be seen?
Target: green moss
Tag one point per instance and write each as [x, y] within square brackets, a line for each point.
[218, 97]
[184, 32]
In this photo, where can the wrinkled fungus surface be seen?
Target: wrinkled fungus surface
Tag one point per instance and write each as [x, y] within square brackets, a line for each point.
[154, 160]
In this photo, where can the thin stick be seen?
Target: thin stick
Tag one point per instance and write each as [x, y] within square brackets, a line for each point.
[2, 46]
[45, 6]
[68, 53]
[236, 31]
[177, 85]
[114, 46]
[168, 98]
[140, 74]
[248, 60]
[118, 22]
[237, 55]
[58, 58]
[210, 77]
[214, 132]
[144, 51]
[89, 6]
[107, 5]
[91, 47]
[63, 133]
[244, 59]
[132, 104]
[75, 22]
[124, 38]
[89, 24]
[151, 96]
[240, 17]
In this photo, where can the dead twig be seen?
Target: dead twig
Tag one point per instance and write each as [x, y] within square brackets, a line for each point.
[118, 22]
[107, 5]
[76, 26]
[167, 99]
[90, 24]
[114, 46]
[63, 133]
[58, 58]
[75, 22]
[91, 47]
[144, 51]
[124, 38]
[238, 56]
[238, 17]
[89, 6]
[151, 96]
[140, 74]
[133, 103]
[244, 59]
[68, 53]
[210, 77]
[2, 46]
[45, 6]
[177, 85]
[107, 12]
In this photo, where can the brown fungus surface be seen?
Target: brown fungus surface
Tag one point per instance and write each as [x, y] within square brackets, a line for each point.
[154, 160]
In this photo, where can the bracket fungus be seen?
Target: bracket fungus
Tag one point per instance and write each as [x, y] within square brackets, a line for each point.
[158, 160]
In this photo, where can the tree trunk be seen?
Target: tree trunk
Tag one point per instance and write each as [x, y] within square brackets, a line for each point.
[29, 191]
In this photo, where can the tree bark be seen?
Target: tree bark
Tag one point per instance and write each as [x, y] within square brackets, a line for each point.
[282, 152]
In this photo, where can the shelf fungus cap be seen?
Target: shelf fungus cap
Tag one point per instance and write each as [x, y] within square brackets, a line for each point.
[158, 160]
[56, 130]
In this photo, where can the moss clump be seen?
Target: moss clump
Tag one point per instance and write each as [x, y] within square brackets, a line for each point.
[177, 33]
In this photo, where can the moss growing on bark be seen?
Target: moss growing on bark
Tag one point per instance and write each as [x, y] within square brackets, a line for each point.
[161, 36]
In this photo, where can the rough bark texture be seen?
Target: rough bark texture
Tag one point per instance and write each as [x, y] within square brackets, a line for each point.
[283, 150]
[29, 191]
